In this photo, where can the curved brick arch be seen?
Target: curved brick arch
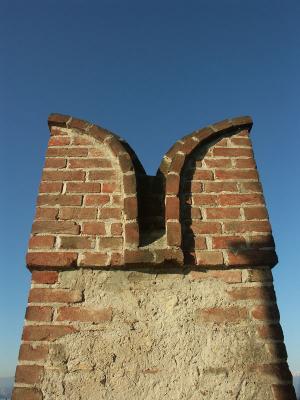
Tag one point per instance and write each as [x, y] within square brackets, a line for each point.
[174, 160]
[130, 168]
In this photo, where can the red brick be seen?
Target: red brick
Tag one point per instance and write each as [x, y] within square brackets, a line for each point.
[223, 213]
[111, 213]
[35, 313]
[43, 213]
[227, 242]
[60, 200]
[46, 332]
[172, 184]
[67, 152]
[251, 187]
[82, 141]
[77, 213]
[218, 187]
[131, 233]
[59, 141]
[89, 163]
[209, 258]
[38, 242]
[222, 315]
[218, 163]
[84, 314]
[173, 233]
[110, 243]
[202, 175]
[130, 207]
[172, 207]
[63, 176]
[138, 257]
[22, 393]
[94, 260]
[232, 152]
[204, 200]
[260, 275]
[103, 175]
[110, 187]
[241, 141]
[86, 187]
[195, 213]
[259, 241]
[277, 350]
[33, 352]
[265, 313]
[45, 277]
[71, 242]
[50, 187]
[284, 392]
[236, 174]
[279, 371]
[271, 331]
[264, 293]
[129, 182]
[256, 213]
[55, 227]
[247, 226]
[226, 276]
[55, 162]
[41, 295]
[93, 152]
[200, 243]
[93, 228]
[252, 257]
[245, 163]
[116, 229]
[239, 199]
[200, 227]
[29, 374]
[96, 199]
[51, 259]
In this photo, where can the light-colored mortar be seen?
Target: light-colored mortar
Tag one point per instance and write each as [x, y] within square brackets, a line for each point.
[156, 346]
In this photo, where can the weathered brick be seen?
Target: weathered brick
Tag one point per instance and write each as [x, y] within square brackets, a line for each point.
[226, 276]
[173, 233]
[247, 226]
[96, 199]
[110, 187]
[202, 175]
[51, 259]
[265, 313]
[218, 162]
[211, 258]
[232, 152]
[111, 213]
[33, 352]
[252, 257]
[23, 393]
[67, 152]
[201, 227]
[277, 350]
[223, 213]
[55, 162]
[260, 275]
[93, 228]
[46, 332]
[228, 242]
[94, 260]
[50, 187]
[59, 200]
[71, 242]
[102, 175]
[89, 163]
[264, 293]
[30, 374]
[116, 229]
[256, 213]
[42, 295]
[38, 242]
[55, 227]
[77, 213]
[222, 315]
[85, 187]
[240, 199]
[63, 176]
[172, 184]
[84, 314]
[59, 141]
[110, 243]
[131, 207]
[131, 233]
[43, 213]
[44, 277]
[245, 163]
[204, 199]
[218, 187]
[35, 313]
[270, 331]
[172, 207]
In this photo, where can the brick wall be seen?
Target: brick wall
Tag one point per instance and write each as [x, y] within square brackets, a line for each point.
[151, 287]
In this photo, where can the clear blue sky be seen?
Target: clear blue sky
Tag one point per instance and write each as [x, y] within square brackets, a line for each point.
[151, 71]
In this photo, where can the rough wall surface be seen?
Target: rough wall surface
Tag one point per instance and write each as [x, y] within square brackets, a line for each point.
[169, 298]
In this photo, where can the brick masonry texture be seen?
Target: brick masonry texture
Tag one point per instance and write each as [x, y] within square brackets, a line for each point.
[149, 287]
